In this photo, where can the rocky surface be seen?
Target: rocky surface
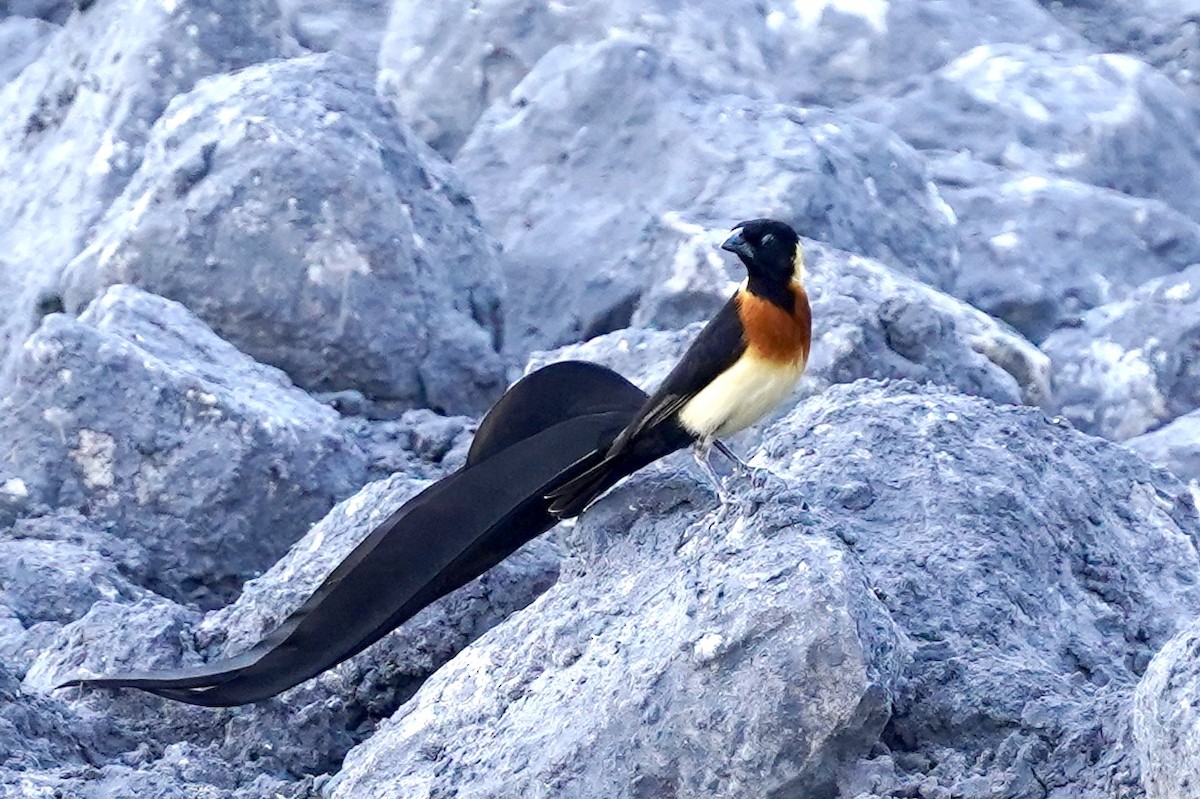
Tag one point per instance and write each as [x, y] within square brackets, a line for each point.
[1039, 251]
[290, 212]
[570, 214]
[242, 292]
[1165, 725]
[1130, 366]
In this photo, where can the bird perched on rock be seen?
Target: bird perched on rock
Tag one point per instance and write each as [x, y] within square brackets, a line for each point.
[745, 361]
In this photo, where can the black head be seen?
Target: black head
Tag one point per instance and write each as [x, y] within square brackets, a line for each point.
[770, 249]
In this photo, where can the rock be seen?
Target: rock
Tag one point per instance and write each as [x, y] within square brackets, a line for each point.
[867, 322]
[1109, 120]
[1037, 252]
[1165, 725]
[243, 210]
[444, 65]
[354, 29]
[1035, 570]
[76, 120]
[1174, 446]
[21, 41]
[1163, 33]
[55, 11]
[692, 652]
[139, 417]
[580, 222]
[35, 730]
[308, 729]
[1128, 367]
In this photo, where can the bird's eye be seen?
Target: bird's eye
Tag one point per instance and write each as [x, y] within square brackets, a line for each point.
[768, 239]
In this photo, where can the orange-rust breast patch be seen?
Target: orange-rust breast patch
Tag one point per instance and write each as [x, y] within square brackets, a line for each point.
[772, 332]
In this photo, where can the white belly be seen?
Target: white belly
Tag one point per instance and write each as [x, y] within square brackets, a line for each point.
[741, 396]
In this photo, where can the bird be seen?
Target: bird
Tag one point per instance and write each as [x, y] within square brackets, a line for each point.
[741, 365]
[444, 537]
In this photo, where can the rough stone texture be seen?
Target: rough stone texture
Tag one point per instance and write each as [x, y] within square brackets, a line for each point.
[1109, 120]
[1131, 366]
[1165, 724]
[1175, 446]
[443, 65]
[50, 10]
[354, 28]
[569, 207]
[139, 417]
[1037, 252]
[870, 322]
[76, 120]
[1163, 33]
[21, 41]
[1035, 570]
[288, 210]
[692, 652]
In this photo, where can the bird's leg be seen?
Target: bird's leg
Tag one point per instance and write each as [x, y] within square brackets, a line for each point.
[739, 465]
[701, 452]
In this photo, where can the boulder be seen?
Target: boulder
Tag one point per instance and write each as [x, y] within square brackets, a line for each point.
[579, 219]
[443, 65]
[76, 120]
[1128, 367]
[1109, 120]
[692, 651]
[1174, 446]
[1035, 571]
[22, 40]
[287, 209]
[355, 29]
[1163, 33]
[1166, 726]
[867, 322]
[1039, 251]
[138, 416]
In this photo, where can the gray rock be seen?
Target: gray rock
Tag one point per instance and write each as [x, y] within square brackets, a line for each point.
[1130, 366]
[55, 11]
[158, 431]
[1035, 570]
[1165, 725]
[76, 120]
[1037, 252]
[21, 41]
[284, 207]
[1174, 446]
[577, 216]
[1163, 33]
[1109, 120]
[354, 29]
[867, 322]
[443, 65]
[36, 730]
[692, 652]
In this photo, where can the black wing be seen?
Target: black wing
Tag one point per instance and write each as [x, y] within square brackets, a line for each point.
[439, 540]
[718, 346]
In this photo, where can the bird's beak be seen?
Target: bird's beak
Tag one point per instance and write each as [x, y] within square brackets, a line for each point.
[737, 244]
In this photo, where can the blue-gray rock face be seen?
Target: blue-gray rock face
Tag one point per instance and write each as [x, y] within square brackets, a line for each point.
[136, 415]
[1165, 726]
[443, 65]
[566, 207]
[1131, 366]
[1039, 251]
[1035, 571]
[1175, 446]
[76, 121]
[284, 207]
[22, 40]
[354, 28]
[1109, 120]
